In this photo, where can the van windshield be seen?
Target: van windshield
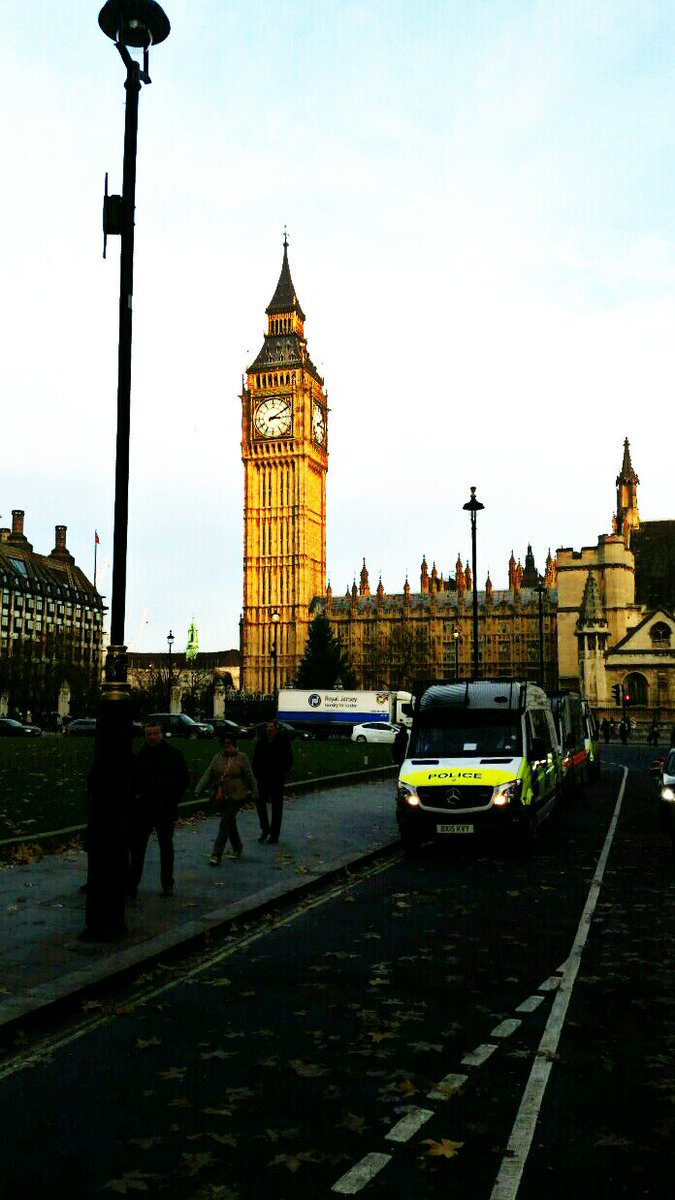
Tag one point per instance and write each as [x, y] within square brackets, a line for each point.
[463, 734]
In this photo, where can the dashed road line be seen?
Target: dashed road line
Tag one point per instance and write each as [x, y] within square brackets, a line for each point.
[506, 1028]
[530, 1004]
[447, 1087]
[404, 1129]
[361, 1174]
[476, 1058]
[550, 984]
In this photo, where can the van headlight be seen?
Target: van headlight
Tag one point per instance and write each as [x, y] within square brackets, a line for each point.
[408, 795]
[507, 793]
[668, 793]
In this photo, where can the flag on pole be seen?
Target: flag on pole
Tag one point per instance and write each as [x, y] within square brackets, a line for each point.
[97, 539]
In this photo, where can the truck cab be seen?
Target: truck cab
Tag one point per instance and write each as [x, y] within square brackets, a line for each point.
[483, 757]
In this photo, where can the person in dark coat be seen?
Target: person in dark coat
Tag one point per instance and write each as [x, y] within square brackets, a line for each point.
[400, 746]
[605, 729]
[160, 780]
[272, 761]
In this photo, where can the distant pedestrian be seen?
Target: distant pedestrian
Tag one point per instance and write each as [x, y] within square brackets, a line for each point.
[653, 735]
[231, 782]
[400, 746]
[272, 762]
[160, 780]
[605, 729]
[623, 731]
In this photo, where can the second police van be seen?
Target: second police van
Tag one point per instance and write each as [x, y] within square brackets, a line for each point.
[483, 757]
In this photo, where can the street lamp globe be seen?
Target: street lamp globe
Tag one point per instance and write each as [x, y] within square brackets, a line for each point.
[141, 23]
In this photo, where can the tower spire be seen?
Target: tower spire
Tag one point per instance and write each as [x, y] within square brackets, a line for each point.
[627, 514]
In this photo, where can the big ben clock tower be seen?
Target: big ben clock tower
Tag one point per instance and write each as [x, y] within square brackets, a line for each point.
[284, 446]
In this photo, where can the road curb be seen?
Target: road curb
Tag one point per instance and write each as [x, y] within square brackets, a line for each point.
[47, 998]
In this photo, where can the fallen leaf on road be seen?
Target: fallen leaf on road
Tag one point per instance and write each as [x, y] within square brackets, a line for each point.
[443, 1149]
[307, 1070]
[132, 1181]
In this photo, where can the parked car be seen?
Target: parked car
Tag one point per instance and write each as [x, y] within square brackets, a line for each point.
[220, 726]
[289, 730]
[179, 725]
[81, 727]
[375, 731]
[11, 728]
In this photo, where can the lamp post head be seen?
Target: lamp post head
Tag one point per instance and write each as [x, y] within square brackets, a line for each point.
[275, 616]
[473, 505]
[170, 639]
[140, 23]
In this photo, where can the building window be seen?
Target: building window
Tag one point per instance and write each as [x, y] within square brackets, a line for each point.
[660, 634]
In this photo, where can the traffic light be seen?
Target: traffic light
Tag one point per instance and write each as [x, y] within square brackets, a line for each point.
[617, 690]
[626, 698]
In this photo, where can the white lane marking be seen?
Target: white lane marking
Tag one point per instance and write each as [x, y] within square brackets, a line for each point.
[413, 1120]
[530, 1004]
[506, 1028]
[448, 1085]
[361, 1174]
[550, 984]
[476, 1058]
[513, 1164]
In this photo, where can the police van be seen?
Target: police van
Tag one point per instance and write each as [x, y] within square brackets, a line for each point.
[483, 757]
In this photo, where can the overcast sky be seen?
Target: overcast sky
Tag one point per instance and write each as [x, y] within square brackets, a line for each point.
[480, 206]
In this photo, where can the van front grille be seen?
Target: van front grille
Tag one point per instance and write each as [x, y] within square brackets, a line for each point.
[454, 797]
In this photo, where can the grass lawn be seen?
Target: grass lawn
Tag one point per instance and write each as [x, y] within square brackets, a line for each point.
[43, 788]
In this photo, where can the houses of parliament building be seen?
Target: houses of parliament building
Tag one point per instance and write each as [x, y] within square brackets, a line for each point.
[567, 624]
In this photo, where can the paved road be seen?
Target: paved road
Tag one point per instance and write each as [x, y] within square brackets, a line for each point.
[379, 1038]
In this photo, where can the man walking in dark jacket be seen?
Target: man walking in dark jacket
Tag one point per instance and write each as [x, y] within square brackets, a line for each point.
[160, 780]
[272, 761]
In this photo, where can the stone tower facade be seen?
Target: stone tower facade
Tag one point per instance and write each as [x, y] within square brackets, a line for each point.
[284, 443]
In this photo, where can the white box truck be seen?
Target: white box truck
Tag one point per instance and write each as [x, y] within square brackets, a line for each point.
[337, 711]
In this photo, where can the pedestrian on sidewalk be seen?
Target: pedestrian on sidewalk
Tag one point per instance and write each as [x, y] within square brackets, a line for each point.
[272, 762]
[160, 780]
[400, 746]
[231, 782]
[654, 730]
[605, 728]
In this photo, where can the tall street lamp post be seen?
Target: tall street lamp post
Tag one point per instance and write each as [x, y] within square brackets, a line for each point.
[455, 634]
[474, 506]
[275, 618]
[540, 589]
[132, 25]
[170, 639]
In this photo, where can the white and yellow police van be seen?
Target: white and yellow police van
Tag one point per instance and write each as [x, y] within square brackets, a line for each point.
[483, 757]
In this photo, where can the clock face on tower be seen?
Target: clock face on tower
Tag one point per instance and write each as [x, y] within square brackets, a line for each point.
[273, 417]
[318, 424]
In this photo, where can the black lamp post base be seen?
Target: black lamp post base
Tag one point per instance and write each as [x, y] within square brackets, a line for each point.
[109, 787]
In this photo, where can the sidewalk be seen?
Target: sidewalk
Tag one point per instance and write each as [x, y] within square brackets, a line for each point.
[43, 910]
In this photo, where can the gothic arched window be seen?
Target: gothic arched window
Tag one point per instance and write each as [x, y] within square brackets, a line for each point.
[660, 634]
[637, 688]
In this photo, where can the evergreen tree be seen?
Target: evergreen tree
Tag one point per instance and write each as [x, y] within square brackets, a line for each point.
[324, 662]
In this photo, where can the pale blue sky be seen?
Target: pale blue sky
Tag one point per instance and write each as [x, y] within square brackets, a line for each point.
[482, 234]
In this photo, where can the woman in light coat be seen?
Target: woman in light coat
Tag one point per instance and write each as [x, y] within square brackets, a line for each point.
[231, 781]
